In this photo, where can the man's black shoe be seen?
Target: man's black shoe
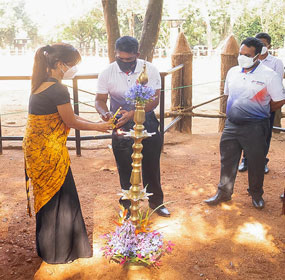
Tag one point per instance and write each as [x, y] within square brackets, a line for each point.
[266, 169]
[258, 203]
[282, 196]
[218, 198]
[243, 165]
[161, 211]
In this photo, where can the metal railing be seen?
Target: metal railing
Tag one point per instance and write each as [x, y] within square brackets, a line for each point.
[77, 138]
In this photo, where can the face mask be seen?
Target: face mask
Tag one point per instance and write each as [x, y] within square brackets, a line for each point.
[70, 73]
[127, 66]
[245, 61]
[264, 50]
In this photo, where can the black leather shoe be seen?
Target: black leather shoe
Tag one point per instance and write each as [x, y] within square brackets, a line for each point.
[258, 203]
[218, 198]
[282, 196]
[266, 169]
[161, 211]
[243, 165]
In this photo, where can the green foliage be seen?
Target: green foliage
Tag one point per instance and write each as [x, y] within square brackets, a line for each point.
[194, 27]
[14, 19]
[164, 35]
[247, 26]
[86, 30]
[240, 17]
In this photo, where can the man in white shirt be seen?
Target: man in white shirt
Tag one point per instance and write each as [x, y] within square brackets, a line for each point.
[253, 90]
[276, 65]
[115, 81]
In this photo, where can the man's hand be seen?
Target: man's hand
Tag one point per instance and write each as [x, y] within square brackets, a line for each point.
[126, 116]
[106, 116]
[276, 105]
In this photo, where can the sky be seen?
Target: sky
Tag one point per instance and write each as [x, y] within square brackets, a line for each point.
[51, 13]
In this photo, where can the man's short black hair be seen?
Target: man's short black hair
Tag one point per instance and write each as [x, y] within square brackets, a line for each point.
[127, 44]
[265, 36]
[253, 42]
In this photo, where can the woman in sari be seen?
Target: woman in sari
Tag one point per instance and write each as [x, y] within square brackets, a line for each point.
[61, 235]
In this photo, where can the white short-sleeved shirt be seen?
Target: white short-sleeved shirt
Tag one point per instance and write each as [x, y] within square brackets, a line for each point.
[250, 93]
[116, 83]
[275, 64]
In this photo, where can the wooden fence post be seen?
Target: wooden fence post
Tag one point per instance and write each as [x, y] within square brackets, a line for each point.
[228, 60]
[181, 97]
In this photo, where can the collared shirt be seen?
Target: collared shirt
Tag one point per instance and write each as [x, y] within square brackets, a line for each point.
[250, 93]
[275, 64]
[116, 83]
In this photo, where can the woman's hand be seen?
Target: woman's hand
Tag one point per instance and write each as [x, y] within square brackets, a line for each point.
[103, 126]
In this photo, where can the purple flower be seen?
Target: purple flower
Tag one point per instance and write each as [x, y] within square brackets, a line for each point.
[124, 245]
[140, 94]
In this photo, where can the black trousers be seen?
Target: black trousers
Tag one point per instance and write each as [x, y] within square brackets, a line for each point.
[250, 137]
[268, 139]
[122, 149]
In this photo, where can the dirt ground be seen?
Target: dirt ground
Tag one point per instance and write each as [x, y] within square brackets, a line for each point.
[230, 241]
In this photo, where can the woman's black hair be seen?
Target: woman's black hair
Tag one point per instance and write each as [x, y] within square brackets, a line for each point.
[46, 58]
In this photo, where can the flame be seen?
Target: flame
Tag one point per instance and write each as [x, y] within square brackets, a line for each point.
[120, 131]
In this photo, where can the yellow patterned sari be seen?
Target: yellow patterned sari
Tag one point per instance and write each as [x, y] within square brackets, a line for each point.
[46, 156]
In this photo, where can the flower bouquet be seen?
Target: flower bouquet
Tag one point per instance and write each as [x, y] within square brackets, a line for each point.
[129, 244]
[139, 93]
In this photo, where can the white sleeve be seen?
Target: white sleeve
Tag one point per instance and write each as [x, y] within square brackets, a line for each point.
[275, 88]
[154, 79]
[226, 87]
[102, 84]
[279, 68]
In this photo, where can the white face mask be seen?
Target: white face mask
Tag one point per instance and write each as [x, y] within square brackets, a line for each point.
[70, 73]
[264, 50]
[245, 61]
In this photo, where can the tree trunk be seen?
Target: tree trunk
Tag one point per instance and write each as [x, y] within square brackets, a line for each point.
[150, 29]
[112, 25]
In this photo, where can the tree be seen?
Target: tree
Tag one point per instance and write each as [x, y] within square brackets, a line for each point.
[247, 26]
[13, 19]
[150, 28]
[112, 25]
[194, 27]
[217, 19]
[86, 29]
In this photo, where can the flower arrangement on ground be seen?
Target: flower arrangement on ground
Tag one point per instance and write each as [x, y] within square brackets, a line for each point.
[130, 244]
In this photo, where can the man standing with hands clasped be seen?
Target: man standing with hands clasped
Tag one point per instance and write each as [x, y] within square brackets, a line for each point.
[276, 65]
[252, 89]
[115, 81]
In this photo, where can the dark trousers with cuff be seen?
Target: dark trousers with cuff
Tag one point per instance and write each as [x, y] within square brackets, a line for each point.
[268, 139]
[250, 137]
[122, 149]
